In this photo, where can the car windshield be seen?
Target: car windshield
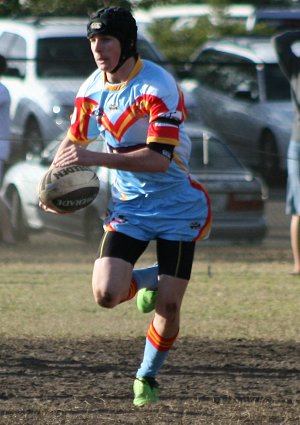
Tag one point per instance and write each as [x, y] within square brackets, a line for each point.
[210, 154]
[277, 86]
[64, 57]
[72, 57]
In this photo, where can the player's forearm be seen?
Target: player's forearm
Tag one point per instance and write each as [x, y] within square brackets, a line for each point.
[286, 39]
[143, 160]
[287, 59]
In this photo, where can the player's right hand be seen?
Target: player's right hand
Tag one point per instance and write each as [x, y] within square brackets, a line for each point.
[50, 210]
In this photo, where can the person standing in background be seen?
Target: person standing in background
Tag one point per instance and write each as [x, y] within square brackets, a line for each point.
[289, 63]
[6, 229]
[4, 121]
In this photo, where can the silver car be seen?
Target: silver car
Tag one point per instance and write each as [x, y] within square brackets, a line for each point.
[243, 95]
[238, 197]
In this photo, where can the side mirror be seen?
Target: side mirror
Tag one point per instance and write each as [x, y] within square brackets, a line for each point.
[245, 94]
[184, 74]
[46, 157]
[13, 72]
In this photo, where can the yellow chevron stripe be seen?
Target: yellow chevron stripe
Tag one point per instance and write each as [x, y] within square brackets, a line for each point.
[167, 141]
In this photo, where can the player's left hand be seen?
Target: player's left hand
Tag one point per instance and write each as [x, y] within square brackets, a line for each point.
[73, 155]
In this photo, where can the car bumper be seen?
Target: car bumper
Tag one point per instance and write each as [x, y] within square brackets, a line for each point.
[254, 231]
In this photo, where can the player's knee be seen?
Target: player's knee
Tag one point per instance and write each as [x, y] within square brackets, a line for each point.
[105, 299]
[171, 311]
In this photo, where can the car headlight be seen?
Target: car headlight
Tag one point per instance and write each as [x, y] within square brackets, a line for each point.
[62, 114]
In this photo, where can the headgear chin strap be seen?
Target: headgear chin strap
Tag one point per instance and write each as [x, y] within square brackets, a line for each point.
[119, 23]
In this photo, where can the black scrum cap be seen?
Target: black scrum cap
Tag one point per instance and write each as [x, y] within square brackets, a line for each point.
[119, 23]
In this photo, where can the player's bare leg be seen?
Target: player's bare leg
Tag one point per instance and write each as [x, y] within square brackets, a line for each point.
[169, 299]
[295, 242]
[111, 281]
[161, 336]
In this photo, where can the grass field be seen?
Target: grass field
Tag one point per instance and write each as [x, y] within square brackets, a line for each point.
[235, 292]
[237, 360]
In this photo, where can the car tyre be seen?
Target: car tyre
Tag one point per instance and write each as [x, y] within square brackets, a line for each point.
[20, 229]
[32, 140]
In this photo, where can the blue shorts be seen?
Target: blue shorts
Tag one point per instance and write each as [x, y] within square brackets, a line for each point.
[183, 214]
[293, 180]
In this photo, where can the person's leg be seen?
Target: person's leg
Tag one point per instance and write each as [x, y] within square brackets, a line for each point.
[175, 263]
[111, 281]
[146, 280]
[2, 165]
[295, 242]
[7, 233]
[293, 201]
[112, 275]
[146, 277]
[164, 328]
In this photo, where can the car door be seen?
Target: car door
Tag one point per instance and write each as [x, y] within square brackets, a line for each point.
[241, 121]
[206, 71]
[226, 92]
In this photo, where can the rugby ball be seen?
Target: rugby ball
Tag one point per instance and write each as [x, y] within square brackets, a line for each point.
[68, 189]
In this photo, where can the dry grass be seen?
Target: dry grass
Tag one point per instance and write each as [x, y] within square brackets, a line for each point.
[237, 292]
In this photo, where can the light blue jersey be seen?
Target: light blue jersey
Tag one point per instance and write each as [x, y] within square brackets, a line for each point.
[147, 108]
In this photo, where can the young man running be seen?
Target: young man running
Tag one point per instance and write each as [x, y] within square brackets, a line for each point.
[139, 110]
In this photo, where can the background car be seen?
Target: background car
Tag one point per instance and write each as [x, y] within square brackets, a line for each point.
[274, 19]
[48, 59]
[238, 197]
[20, 186]
[243, 95]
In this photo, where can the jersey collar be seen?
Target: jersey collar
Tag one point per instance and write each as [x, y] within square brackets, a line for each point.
[114, 87]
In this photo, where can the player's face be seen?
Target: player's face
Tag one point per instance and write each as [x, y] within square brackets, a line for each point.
[106, 50]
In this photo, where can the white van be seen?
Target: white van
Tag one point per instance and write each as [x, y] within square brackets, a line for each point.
[47, 59]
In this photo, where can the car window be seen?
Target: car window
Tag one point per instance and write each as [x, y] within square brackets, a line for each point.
[147, 51]
[64, 57]
[275, 20]
[211, 154]
[6, 40]
[227, 73]
[238, 74]
[206, 69]
[276, 84]
[14, 46]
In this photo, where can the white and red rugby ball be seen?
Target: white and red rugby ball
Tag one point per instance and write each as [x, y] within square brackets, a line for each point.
[68, 189]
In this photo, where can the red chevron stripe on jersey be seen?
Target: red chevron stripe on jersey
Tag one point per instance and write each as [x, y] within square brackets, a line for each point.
[146, 105]
[84, 108]
[206, 228]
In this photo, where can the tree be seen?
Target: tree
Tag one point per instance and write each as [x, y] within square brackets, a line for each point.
[9, 7]
[177, 44]
[56, 7]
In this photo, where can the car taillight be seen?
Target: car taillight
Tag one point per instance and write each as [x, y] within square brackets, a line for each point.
[245, 201]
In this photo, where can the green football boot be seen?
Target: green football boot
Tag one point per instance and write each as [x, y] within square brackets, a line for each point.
[146, 300]
[145, 391]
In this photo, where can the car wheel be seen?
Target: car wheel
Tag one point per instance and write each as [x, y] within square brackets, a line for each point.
[21, 232]
[93, 229]
[269, 159]
[33, 140]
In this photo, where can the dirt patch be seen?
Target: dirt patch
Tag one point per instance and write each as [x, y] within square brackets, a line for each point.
[89, 382]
